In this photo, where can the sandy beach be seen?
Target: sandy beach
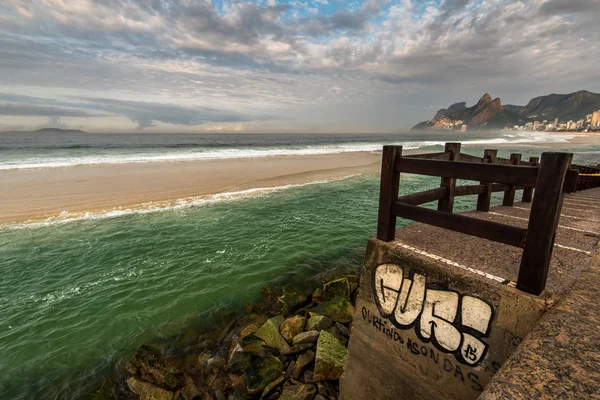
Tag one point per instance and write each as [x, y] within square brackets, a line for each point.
[42, 193]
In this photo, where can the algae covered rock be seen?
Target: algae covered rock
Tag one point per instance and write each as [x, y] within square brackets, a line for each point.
[330, 358]
[292, 326]
[148, 391]
[298, 392]
[337, 288]
[295, 295]
[270, 296]
[318, 323]
[339, 309]
[269, 333]
[239, 362]
[252, 344]
[306, 337]
[262, 372]
[303, 361]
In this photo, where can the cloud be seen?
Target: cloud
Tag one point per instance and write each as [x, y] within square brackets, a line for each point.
[187, 63]
[43, 111]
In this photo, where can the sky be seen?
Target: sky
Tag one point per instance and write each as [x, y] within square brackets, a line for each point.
[300, 66]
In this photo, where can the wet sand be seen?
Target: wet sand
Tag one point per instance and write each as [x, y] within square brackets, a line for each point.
[42, 193]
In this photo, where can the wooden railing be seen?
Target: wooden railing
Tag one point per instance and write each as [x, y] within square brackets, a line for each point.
[589, 177]
[550, 178]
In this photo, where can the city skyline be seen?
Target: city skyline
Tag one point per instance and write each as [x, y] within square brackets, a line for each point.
[282, 66]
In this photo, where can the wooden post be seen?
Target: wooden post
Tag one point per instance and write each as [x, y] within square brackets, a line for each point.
[509, 195]
[447, 204]
[528, 192]
[388, 193]
[543, 222]
[483, 200]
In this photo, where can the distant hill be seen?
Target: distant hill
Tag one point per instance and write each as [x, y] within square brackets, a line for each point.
[48, 131]
[491, 114]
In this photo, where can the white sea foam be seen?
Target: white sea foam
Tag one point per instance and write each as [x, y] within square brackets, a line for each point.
[170, 205]
[233, 153]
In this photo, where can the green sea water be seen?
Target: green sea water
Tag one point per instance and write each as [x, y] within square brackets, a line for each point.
[77, 297]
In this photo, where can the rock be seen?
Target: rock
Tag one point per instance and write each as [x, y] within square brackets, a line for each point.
[292, 326]
[219, 395]
[299, 392]
[330, 358]
[318, 323]
[261, 372]
[237, 381]
[295, 295]
[336, 288]
[239, 362]
[216, 362]
[148, 391]
[342, 329]
[248, 330]
[270, 296]
[290, 368]
[319, 397]
[343, 340]
[299, 348]
[269, 333]
[272, 386]
[303, 361]
[309, 376]
[305, 337]
[252, 344]
[154, 368]
[317, 296]
[339, 309]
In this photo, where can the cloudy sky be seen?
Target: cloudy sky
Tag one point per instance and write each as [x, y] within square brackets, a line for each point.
[283, 66]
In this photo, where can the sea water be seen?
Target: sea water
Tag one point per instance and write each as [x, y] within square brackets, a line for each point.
[78, 294]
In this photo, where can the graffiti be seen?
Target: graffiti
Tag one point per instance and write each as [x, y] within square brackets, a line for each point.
[451, 322]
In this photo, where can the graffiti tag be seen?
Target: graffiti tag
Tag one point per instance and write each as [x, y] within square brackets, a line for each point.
[451, 322]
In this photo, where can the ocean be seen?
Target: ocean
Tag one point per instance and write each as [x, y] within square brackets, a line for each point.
[78, 295]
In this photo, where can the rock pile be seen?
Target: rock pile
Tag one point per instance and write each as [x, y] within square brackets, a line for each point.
[292, 347]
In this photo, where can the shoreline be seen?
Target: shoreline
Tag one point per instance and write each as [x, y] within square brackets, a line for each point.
[66, 193]
[105, 188]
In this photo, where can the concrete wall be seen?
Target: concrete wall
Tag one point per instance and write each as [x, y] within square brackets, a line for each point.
[425, 330]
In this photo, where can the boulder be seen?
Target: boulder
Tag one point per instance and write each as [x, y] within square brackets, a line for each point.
[295, 295]
[261, 372]
[337, 288]
[342, 329]
[272, 386]
[299, 392]
[269, 333]
[248, 330]
[337, 335]
[330, 358]
[292, 326]
[148, 391]
[339, 309]
[317, 296]
[299, 348]
[303, 361]
[318, 323]
[270, 296]
[306, 337]
[154, 368]
[239, 362]
[252, 344]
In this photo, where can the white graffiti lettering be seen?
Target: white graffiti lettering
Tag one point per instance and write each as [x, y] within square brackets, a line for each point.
[453, 323]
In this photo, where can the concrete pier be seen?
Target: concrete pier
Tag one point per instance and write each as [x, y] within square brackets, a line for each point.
[439, 317]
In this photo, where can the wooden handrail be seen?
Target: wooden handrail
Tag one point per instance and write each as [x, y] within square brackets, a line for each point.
[512, 175]
[551, 179]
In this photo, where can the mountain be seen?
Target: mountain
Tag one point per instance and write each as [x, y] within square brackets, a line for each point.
[48, 131]
[565, 107]
[491, 114]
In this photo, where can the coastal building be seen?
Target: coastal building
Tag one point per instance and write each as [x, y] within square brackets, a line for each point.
[595, 120]
[463, 128]
[580, 124]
